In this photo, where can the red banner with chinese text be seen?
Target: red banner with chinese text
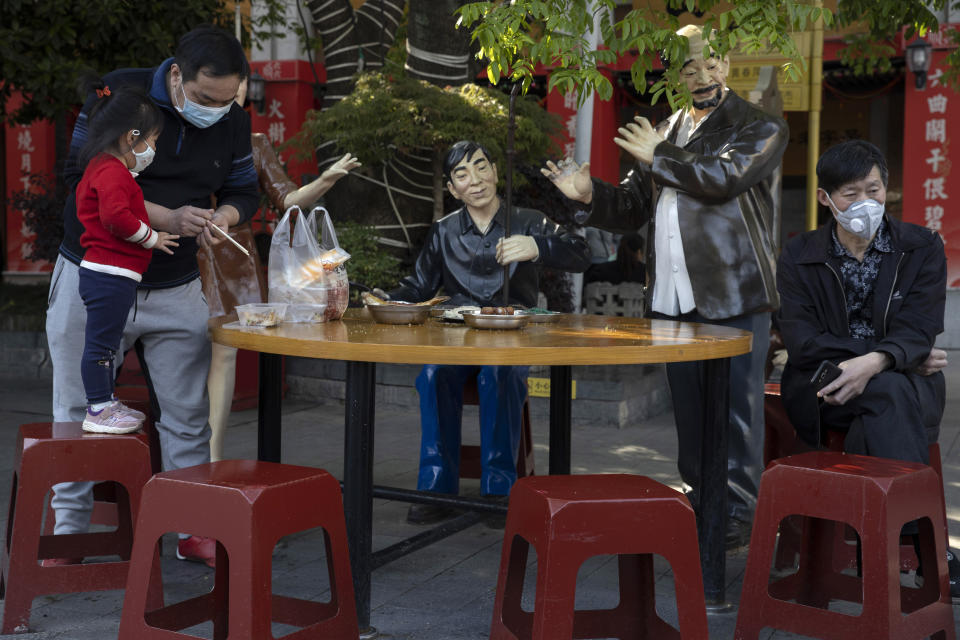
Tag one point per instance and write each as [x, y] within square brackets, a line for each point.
[288, 96]
[29, 150]
[929, 182]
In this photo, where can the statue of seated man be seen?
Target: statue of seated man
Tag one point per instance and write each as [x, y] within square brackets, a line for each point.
[464, 255]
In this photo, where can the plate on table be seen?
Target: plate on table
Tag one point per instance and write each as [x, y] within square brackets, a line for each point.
[453, 314]
[543, 315]
[496, 321]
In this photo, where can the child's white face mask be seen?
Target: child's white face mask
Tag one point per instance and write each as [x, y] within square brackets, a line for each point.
[143, 158]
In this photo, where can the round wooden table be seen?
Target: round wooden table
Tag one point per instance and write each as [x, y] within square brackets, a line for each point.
[574, 340]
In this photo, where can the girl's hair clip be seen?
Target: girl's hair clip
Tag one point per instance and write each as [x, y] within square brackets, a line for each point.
[103, 92]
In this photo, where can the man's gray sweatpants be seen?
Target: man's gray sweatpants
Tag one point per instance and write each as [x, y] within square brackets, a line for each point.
[172, 325]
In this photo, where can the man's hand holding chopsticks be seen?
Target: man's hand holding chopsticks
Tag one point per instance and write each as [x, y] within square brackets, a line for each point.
[210, 237]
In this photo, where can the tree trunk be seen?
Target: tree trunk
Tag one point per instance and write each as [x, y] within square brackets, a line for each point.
[437, 51]
[437, 186]
[353, 40]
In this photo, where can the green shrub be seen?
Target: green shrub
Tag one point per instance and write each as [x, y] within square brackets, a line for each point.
[370, 263]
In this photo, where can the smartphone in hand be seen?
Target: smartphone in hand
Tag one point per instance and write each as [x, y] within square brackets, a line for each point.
[826, 373]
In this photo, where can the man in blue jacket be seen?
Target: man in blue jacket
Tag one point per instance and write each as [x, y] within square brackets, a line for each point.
[866, 292]
[203, 152]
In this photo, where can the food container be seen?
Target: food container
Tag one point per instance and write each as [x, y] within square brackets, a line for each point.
[491, 321]
[301, 313]
[392, 313]
[261, 314]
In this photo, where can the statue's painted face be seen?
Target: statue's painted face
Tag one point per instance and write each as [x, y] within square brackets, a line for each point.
[706, 78]
[474, 181]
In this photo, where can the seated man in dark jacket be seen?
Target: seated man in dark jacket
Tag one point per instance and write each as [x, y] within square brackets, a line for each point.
[464, 255]
[866, 292]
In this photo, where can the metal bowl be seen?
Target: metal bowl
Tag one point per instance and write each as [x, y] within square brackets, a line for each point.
[398, 313]
[491, 321]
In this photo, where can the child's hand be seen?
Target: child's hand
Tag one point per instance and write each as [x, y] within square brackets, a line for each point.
[166, 242]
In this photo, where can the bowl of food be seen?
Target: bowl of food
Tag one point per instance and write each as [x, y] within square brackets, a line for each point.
[261, 314]
[496, 318]
[453, 314]
[399, 313]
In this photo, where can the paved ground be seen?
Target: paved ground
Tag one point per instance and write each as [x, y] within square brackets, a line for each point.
[445, 591]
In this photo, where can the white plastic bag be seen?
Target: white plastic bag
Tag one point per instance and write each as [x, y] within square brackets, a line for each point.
[312, 281]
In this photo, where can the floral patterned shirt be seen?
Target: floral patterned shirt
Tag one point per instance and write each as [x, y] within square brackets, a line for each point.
[858, 279]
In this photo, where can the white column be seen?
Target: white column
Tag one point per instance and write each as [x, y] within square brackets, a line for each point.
[584, 142]
[285, 44]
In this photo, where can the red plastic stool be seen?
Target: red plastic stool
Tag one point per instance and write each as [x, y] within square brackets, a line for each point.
[46, 454]
[571, 518]
[876, 497]
[845, 548]
[247, 506]
[105, 494]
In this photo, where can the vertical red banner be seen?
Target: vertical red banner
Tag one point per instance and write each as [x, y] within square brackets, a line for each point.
[930, 184]
[288, 96]
[29, 150]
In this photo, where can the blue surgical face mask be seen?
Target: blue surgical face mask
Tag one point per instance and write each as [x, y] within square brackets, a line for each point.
[197, 114]
[862, 218]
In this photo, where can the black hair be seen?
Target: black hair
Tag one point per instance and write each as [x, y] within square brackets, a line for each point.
[847, 162]
[116, 112]
[213, 50]
[630, 267]
[459, 151]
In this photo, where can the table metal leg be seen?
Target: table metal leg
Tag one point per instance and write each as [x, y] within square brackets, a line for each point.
[561, 379]
[268, 409]
[713, 483]
[358, 483]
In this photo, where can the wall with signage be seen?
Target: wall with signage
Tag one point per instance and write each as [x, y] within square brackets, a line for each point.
[929, 181]
[29, 150]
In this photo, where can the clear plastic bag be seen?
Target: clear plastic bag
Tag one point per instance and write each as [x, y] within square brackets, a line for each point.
[306, 274]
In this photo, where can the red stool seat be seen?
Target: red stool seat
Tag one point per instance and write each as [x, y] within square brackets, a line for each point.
[105, 493]
[874, 496]
[247, 506]
[568, 519]
[47, 454]
[791, 529]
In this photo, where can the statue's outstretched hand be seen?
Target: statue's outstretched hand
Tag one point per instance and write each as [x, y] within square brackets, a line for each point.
[572, 180]
[340, 168]
[639, 140]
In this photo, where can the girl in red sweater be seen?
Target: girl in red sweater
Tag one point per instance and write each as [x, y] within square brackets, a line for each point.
[123, 129]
